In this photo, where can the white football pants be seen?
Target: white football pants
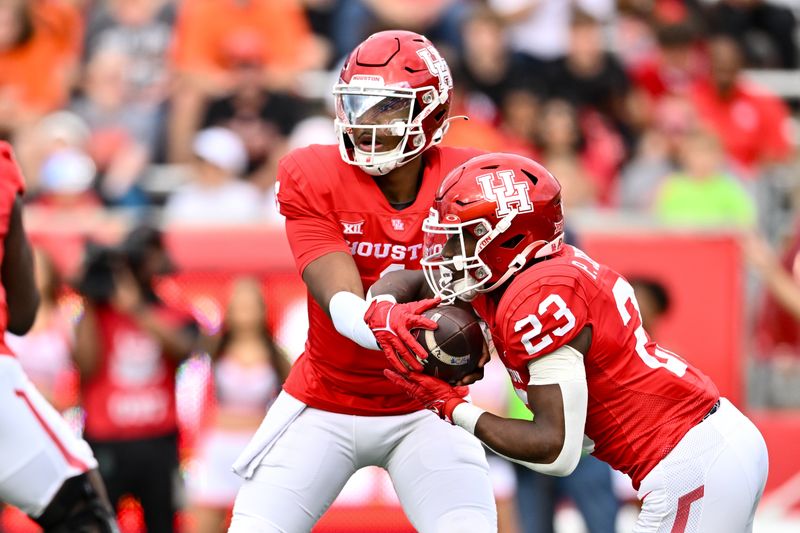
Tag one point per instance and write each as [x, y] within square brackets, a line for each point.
[38, 450]
[439, 471]
[711, 482]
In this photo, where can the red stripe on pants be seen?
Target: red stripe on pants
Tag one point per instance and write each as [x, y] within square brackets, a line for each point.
[684, 506]
[71, 459]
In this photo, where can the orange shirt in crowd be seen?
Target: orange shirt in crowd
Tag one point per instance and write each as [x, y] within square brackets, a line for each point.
[208, 32]
[36, 74]
[752, 124]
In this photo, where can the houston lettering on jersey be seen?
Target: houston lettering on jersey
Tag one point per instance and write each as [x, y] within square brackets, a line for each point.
[386, 250]
[333, 207]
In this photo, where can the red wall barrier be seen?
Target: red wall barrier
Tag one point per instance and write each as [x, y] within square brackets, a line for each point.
[703, 275]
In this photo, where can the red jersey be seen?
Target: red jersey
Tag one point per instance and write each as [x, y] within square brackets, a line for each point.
[642, 398]
[752, 124]
[11, 185]
[132, 394]
[331, 206]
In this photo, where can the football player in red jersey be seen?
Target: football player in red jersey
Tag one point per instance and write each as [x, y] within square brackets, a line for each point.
[569, 332]
[45, 470]
[354, 212]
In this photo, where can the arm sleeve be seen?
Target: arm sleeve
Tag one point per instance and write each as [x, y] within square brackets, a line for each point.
[311, 228]
[564, 367]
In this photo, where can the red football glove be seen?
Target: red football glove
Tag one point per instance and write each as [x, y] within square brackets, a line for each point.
[390, 323]
[433, 393]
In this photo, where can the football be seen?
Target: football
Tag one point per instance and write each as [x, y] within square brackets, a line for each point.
[455, 347]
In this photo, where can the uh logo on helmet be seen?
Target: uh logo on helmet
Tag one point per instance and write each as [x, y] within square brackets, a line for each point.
[492, 216]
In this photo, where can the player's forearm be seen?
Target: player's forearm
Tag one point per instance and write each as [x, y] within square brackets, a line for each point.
[404, 285]
[522, 440]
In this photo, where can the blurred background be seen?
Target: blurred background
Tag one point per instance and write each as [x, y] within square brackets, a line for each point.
[671, 124]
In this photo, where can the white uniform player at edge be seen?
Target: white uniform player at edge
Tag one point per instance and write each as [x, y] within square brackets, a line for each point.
[569, 332]
[45, 470]
[354, 212]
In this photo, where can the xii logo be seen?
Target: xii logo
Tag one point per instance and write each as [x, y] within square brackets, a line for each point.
[501, 188]
[352, 228]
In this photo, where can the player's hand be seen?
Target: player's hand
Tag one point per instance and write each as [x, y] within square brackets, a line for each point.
[486, 356]
[472, 377]
[391, 324]
[433, 393]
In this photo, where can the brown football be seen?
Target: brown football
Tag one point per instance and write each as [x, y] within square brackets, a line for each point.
[455, 347]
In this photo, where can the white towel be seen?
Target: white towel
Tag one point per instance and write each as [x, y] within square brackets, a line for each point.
[283, 411]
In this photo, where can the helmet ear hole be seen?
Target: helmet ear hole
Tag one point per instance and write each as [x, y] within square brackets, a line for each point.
[512, 243]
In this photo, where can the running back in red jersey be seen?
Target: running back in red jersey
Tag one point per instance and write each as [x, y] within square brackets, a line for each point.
[642, 397]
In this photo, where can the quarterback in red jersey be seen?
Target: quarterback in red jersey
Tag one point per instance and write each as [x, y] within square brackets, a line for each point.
[45, 470]
[353, 213]
[570, 334]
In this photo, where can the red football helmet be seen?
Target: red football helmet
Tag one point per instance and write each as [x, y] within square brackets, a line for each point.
[392, 101]
[492, 215]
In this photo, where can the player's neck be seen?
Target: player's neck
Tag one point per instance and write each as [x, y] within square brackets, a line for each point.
[401, 184]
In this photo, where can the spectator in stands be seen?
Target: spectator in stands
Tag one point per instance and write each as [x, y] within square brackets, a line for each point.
[752, 123]
[52, 133]
[439, 20]
[44, 352]
[261, 117]
[488, 68]
[521, 110]
[216, 194]
[473, 125]
[539, 29]
[208, 31]
[657, 153]
[140, 31]
[561, 147]
[765, 30]
[248, 371]
[674, 66]
[585, 162]
[589, 77]
[66, 179]
[634, 39]
[702, 192]
[36, 37]
[121, 130]
[128, 345]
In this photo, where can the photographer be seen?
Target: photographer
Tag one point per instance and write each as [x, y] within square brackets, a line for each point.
[128, 346]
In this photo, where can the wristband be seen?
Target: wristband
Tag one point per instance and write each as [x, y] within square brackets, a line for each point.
[466, 415]
[347, 314]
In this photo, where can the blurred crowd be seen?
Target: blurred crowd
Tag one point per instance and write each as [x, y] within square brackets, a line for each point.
[178, 111]
[636, 105]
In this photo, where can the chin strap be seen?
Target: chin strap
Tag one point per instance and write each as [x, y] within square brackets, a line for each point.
[514, 266]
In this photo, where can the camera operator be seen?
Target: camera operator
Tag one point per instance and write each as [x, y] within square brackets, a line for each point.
[128, 345]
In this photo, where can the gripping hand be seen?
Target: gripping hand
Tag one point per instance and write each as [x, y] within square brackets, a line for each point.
[433, 393]
[391, 323]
